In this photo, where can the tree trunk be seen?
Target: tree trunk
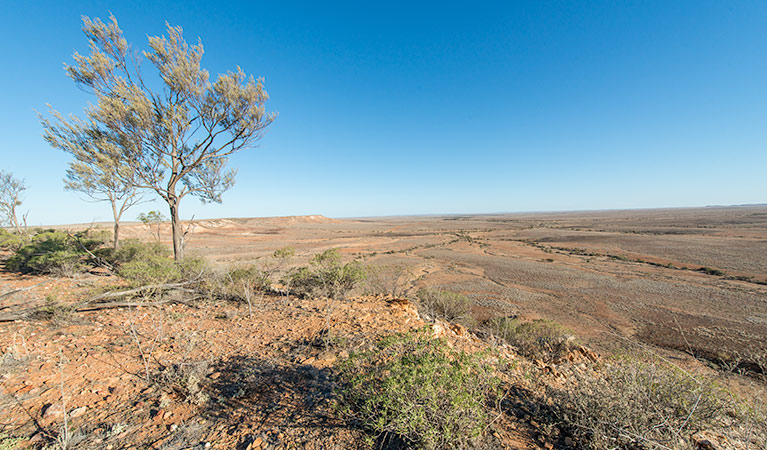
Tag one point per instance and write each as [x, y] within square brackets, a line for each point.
[116, 216]
[14, 220]
[116, 242]
[175, 224]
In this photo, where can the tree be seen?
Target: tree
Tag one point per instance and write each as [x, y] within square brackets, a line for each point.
[98, 169]
[176, 140]
[153, 219]
[11, 190]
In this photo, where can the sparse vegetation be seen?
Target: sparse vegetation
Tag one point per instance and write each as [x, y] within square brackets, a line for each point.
[413, 390]
[98, 169]
[57, 252]
[446, 305]
[12, 241]
[327, 276]
[189, 124]
[638, 404]
[159, 268]
[538, 339]
[11, 195]
[152, 220]
[8, 442]
[388, 279]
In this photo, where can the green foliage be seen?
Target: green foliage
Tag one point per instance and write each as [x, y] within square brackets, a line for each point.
[153, 219]
[11, 193]
[638, 404]
[134, 249]
[12, 241]
[8, 442]
[239, 283]
[326, 276]
[57, 252]
[447, 305]
[145, 263]
[414, 388]
[174, 117]
[154, 268]
[284, 254]
[538, 339]
[710, 271]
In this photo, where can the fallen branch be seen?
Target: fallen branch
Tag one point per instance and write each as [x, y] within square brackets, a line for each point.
[115, 305]
[83, 307]
[13, 316]
[151, 287]
[15, 291]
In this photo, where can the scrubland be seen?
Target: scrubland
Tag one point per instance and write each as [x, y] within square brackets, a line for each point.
[595, 330]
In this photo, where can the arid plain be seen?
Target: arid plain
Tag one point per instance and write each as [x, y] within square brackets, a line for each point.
[190, 369]
[693, 280]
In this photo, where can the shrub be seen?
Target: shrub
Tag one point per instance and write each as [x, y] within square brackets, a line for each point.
[450, 306]
[134, 249]
[412, 388]
[327, 276]
[387, 279]
[57, 252]
[635, 404]
[710, 271]
[12, 241]
[538, 339]
[242, 284]
[143, 264]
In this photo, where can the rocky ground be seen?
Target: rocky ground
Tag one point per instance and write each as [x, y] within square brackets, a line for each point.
[230, 380]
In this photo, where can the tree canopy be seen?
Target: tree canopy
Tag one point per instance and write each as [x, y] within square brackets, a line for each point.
[175, 133]
[11, 191]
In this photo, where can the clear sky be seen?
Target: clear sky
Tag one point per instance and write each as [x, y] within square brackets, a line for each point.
[415, 107]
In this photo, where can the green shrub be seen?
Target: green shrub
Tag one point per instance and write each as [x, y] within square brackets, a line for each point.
[144, 264]
[9, 442]
[240, 283]
[414, 389]
[161, 270]
[450, 306]
[326, 276]
[710, 271]
[57, 252]
[134, 249]
[12, 241]
[633, 404]
[538, 339]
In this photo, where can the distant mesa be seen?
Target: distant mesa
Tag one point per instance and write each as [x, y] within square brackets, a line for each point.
[263, 221]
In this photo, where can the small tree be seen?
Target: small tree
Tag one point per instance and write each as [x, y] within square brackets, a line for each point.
[178, 138]
[153, 219]
[11, 190]
[98, 169]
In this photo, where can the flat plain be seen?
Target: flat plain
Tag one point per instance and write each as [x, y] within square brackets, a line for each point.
[173, 372]
[693, 280]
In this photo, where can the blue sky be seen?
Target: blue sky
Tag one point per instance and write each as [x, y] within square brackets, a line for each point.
[418, 107]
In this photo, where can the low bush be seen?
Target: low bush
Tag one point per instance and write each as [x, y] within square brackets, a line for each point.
[538, 339]
[450, 306]
[327, 276]
[634, 404]
[12, 241]
[158, 269]
[240, 284]
[391, 279]
[414, 390]
[134, 249]
[57, 252]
